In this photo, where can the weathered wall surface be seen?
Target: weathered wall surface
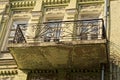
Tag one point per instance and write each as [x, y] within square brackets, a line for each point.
[51, 57]
[115, 22]
[115, 40]
[115, 28]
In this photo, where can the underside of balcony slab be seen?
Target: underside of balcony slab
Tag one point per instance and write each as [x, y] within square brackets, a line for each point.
[83, 56]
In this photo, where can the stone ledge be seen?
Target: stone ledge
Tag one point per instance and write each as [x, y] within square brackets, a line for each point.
[57, 43]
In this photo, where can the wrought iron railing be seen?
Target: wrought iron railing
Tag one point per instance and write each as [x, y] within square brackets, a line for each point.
[75, 30]
[19, 37]
[66, 31]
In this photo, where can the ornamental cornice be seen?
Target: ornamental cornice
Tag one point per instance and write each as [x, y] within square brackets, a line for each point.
[22, 3]
[48, 2]
[8, 72]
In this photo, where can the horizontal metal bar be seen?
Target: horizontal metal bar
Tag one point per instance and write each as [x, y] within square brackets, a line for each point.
[100, 19]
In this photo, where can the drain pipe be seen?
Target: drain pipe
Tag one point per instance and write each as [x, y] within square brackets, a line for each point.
[108, 29]
[102, 73]
[106, 16]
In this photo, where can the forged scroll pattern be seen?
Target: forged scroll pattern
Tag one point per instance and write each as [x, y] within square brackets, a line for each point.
[75, 30]
[90, 27]
[19, 37]
[82, 29]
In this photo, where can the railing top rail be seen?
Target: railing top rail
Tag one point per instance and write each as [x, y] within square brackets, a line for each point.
[100, 19]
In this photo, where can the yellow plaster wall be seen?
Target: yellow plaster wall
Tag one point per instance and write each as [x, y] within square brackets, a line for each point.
[115, 23]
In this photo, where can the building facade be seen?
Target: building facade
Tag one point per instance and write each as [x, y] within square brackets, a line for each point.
[59, 40]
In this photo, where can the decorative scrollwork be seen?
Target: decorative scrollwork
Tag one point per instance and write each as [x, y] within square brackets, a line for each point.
[59, 30]
[19, 37]
[81, 29]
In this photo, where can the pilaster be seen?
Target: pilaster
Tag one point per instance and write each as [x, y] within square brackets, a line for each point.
[70, 14]
[35, 17]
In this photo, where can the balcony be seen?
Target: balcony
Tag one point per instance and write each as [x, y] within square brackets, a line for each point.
[61, 31]
[62, 44]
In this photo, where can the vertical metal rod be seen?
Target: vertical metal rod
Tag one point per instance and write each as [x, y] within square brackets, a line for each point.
[107, 28]
[103, 71]
[111, 69]
[118, 70]
[116, 64]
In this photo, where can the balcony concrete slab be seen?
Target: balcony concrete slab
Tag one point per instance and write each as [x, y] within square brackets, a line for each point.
[83, 56]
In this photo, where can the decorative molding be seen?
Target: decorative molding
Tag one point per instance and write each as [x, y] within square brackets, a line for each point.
[8, 72]
[21, 14]
[48, 2]
[90, 1]
[90, 8]
[55, 10]
[36, 13]
[22, 4]
[4, 1]
[71, 11]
